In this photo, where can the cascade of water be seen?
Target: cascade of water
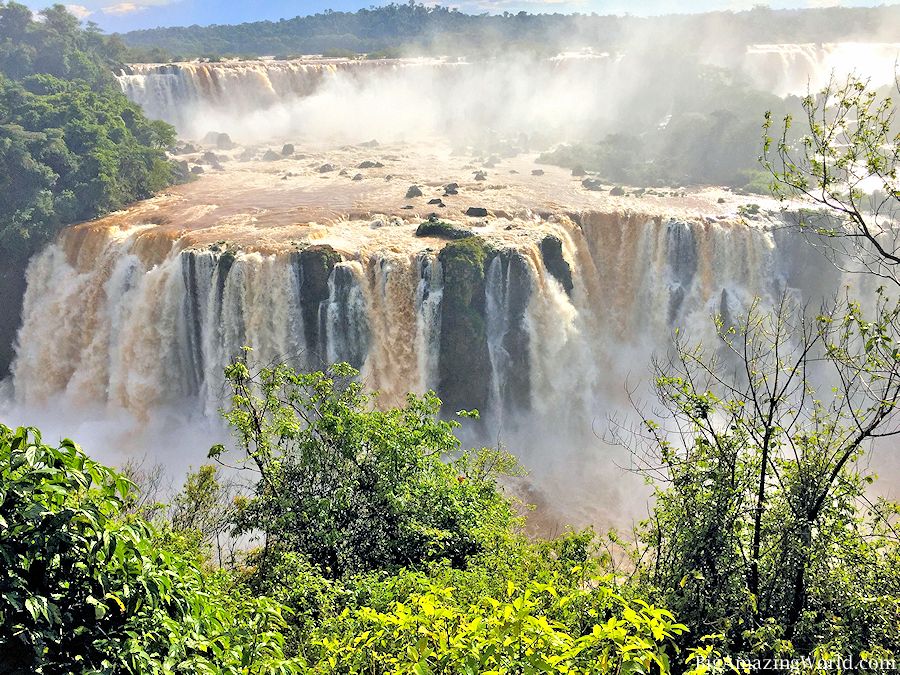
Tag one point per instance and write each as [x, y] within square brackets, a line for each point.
[429, 294]
[346, 318]
[137, 322]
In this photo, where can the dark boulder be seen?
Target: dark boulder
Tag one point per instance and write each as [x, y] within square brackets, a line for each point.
[476, 212]
[413, 192]
[437, 228]
[555, 263]
[219, 140]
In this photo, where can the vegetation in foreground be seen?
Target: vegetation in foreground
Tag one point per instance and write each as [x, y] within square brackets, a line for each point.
[381, 547]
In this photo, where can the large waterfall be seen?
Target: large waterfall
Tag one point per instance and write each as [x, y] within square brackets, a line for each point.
[541, 335]
[543, 321]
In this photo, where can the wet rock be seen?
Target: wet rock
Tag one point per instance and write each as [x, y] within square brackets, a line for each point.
[343, 172]
[617, 191]
[368, 164]
[592, 184]
[389, 177]
[476, 212]
[537, 172]
[436, 200]
[270, 156]
[247, 155]
[370, 144]
[313, 267]
[578, 171]
[220, 140]
[376, 224]
[551, 252]
[414, 191]
[182, 172]
[720, 200]
[451, 189]
[513, 171]
[287, 149]
[358, 176]
[436, 228]
[210, 157]
[197, 170]
[464, 364]
[407, 207]
[184, 149]
[480, 175]
[326, 168]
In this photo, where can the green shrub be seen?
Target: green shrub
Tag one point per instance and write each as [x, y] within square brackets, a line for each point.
[355, 489]
[84, 587]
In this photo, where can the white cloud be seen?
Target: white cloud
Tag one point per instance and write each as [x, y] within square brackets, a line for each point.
[79, 11]
[123, 8]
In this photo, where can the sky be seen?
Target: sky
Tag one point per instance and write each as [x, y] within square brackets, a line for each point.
[125, 15]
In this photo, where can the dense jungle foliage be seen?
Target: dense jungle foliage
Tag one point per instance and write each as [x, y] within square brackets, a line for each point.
[71, 145]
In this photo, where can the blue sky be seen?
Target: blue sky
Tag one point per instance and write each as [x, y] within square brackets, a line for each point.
[122, 15]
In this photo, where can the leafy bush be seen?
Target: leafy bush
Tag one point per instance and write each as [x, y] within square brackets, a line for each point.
[437, 228]
[435, 633]
[83, 587]
[356, 489]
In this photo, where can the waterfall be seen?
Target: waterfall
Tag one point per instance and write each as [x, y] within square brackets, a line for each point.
[796, 69]
[123, 318]
[122, 321]
[267, 100]
[429, 293]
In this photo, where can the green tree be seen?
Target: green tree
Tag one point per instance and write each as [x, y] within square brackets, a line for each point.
[762, 529]
[843, 164]
[355, 488]
[205, 505]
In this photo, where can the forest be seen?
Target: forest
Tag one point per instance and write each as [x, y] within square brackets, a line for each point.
[415, 28]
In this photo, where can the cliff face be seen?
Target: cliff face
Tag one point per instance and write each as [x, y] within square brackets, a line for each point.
[464, 359]
[12, 291]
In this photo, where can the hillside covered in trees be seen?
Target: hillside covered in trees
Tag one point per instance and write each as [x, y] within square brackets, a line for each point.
[71, 145]
[417, 28]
